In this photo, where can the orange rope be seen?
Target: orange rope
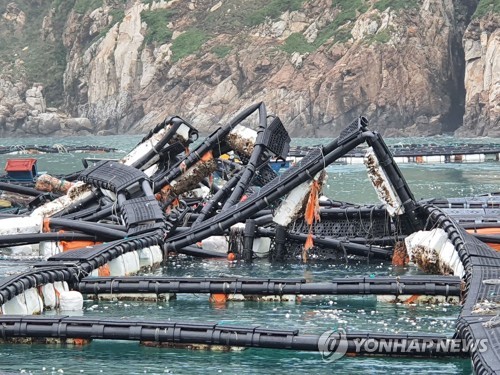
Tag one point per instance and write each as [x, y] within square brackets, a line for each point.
[311, 216]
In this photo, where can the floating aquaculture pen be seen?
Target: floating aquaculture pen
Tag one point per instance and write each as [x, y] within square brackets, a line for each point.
[119, 217]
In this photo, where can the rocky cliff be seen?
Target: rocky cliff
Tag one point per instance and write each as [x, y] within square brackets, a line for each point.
[412, 67]
[482, 77]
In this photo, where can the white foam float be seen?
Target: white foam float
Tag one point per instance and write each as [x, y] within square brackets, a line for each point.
[71, 301]
[150, 256]
[26, 303]
[132, 264]
[19, 225]
[157, 254]
[143, 148]
[382, 185]
[433, 252]
[49, 248]
[48, 292]
[261, 246]
[242, 139]
[125, 265]
[34, 302]
[215, 243]
[293, 204]
[117, 266]
[15, 306]
[145, 257]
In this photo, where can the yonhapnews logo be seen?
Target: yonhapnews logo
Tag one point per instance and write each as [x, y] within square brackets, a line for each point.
[333, 345]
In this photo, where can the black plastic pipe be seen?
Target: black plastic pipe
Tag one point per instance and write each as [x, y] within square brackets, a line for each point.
[350, 247]
[424, 285]
[92, 228]
[30, 238]
[289, 180]
[215, 334]
[20, 189]
[209, 143]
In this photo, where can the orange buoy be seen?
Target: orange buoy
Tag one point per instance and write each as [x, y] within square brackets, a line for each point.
[72, 245]
[218, 298]
[104, 271]
[231, 257]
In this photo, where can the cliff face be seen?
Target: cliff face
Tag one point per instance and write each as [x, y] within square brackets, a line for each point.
[482, 78]
[413, 69]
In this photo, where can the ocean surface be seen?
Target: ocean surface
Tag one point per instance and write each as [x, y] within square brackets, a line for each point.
[311, 315]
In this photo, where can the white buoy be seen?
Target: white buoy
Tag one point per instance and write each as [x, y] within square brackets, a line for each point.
[145, 257]
[49, 296]
[71, 301]
[215, 243]
[17, 225]
[34, 303]
[49, 248]
[15, 306]
[117, 266]
[433, 250]
[157, 254]
[132, 265]
[261, 246]
[77, 192]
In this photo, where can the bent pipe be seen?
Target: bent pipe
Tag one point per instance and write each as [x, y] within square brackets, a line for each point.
[304, 171]
[480, 263]
[176, 122]
[491, 238]
[424, 285]
[77, 205]
[216, 334]
[209, 143]
[250, 167]
[223, 192]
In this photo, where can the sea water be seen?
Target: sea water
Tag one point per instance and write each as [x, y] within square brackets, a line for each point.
[311, 315]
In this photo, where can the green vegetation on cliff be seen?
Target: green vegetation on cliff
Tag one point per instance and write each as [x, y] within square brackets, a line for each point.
[157, 21]
[395, 4]
[339, 29]
[187, 43]
[222, 50]
[487, 6]
[82, 6]
[271, 9]
[296, 42]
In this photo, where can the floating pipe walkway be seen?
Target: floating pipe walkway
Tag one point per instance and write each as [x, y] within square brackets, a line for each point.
[482, 272]
[425, 153]
[427, 285]
[216, 334]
